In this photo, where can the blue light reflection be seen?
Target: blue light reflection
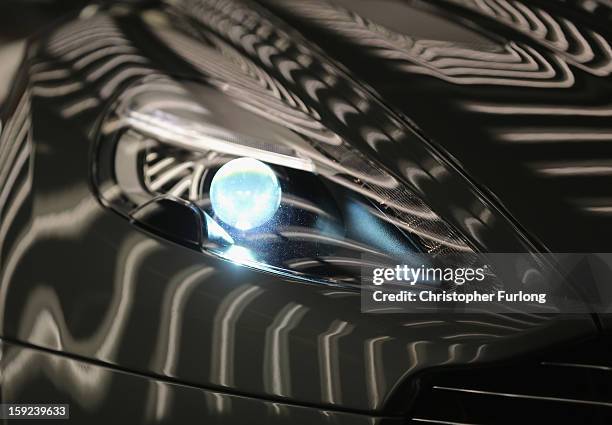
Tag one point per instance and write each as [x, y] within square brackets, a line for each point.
[245, 193]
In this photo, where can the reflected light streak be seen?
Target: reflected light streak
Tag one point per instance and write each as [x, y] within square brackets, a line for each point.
[277, 368]
[329, 362]
[491, 108]
[561, 135]
[574, 169]
[375, 368]
[224, 332]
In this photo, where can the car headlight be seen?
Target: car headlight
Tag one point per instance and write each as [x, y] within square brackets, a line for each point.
[245, 193]
[205, 166]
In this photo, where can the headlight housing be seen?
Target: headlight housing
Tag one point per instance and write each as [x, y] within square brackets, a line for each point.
[187, 159]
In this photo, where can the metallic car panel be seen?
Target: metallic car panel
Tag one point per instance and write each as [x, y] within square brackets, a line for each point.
[99, 395]
[75, 277]
[525, 114]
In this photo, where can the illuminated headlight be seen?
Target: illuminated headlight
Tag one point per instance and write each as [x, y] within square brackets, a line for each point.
[286, 196]
[245, 193]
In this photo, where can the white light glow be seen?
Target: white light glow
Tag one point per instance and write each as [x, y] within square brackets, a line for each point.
[245, 193]
[239, 255]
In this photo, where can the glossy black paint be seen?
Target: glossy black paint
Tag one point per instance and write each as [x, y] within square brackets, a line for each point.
[77, 278]
[537, 142]
[102, 395]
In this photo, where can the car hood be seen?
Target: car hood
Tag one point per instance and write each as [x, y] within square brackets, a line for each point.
[516, 95]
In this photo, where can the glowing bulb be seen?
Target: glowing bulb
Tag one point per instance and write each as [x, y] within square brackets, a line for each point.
[245, 193]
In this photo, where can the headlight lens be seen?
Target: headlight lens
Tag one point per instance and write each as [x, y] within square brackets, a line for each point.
[280, 198]
[245, 193]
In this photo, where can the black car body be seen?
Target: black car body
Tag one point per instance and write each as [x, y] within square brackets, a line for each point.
[496, 114]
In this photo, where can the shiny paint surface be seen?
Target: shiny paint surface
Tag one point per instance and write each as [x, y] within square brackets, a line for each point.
[520, 98]
[77, 278]
[100, 395]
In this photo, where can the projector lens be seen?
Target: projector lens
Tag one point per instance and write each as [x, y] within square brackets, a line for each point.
[245, 193]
